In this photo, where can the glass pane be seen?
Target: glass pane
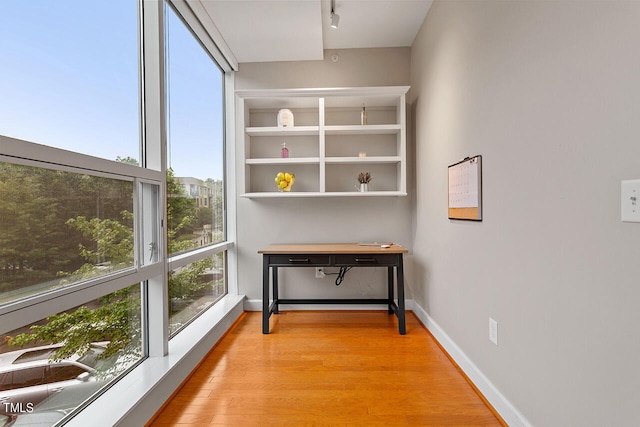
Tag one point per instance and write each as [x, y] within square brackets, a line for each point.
[58, 228]
[149, 198]
[194, 288]
[195, 180]
[68, 78]
[49, 368]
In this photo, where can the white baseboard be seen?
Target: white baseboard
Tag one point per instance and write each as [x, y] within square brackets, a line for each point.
[506, 410]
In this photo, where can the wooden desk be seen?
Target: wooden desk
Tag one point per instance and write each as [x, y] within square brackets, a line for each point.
[332, 255]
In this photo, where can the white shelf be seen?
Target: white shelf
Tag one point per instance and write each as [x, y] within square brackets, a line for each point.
[278, 131]
[362, 129]
[363, 160]
[327, 141]
[286, 161]
[294, 194]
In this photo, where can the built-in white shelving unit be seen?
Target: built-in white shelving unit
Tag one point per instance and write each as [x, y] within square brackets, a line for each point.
[328, 146]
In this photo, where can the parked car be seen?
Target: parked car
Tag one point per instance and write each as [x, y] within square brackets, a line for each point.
[29, 376]
[5, 420]
[57, 406]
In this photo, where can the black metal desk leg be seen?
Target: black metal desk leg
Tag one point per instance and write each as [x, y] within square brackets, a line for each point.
[390, 290]
[265, 294]
[274, 279]
[402, 326]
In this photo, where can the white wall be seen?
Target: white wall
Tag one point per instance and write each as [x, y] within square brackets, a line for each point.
[326, 219]
[549, 94]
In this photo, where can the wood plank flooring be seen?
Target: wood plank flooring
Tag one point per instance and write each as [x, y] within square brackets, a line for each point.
[326, 368]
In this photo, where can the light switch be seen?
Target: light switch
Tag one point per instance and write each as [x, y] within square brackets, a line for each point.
[631, 200]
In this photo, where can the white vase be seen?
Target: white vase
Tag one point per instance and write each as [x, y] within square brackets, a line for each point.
[364, 187]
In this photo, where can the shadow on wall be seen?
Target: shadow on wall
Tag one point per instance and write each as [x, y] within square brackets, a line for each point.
[417, 281]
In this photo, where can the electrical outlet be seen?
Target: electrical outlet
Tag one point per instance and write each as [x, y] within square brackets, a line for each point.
[319, 272]
[493, 331]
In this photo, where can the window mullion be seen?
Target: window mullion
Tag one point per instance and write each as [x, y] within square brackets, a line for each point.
[154, 157]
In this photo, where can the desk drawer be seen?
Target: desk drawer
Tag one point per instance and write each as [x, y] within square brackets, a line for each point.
[299, 260]
[366, 260]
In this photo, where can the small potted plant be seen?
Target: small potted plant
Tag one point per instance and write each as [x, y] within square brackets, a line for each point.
[364, 178]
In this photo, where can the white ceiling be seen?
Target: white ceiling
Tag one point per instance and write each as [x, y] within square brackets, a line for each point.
[297, 30]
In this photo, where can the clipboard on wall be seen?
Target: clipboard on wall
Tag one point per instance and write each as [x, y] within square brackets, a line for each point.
[465, 189]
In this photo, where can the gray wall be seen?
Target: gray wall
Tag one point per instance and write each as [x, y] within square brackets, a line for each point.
[549, 94]
[326, 219]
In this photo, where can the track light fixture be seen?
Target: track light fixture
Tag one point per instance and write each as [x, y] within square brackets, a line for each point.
[335, 18]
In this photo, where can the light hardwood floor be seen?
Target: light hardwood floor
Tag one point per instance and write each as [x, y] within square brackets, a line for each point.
[326, 368]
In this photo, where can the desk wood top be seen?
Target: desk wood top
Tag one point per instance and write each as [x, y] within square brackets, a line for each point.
[331, 248]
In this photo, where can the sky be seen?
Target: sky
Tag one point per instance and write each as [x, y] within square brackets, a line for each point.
[69, 79]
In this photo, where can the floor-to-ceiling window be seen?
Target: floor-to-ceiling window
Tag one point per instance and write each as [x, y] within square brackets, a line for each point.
[69, 75]
[195, 181]
[104, 202]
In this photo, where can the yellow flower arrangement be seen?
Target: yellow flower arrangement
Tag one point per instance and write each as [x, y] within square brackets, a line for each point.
[284, 181]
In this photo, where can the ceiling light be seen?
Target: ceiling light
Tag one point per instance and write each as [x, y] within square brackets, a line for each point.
[335, 18]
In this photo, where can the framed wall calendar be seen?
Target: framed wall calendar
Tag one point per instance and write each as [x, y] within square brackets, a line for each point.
[465, 189]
